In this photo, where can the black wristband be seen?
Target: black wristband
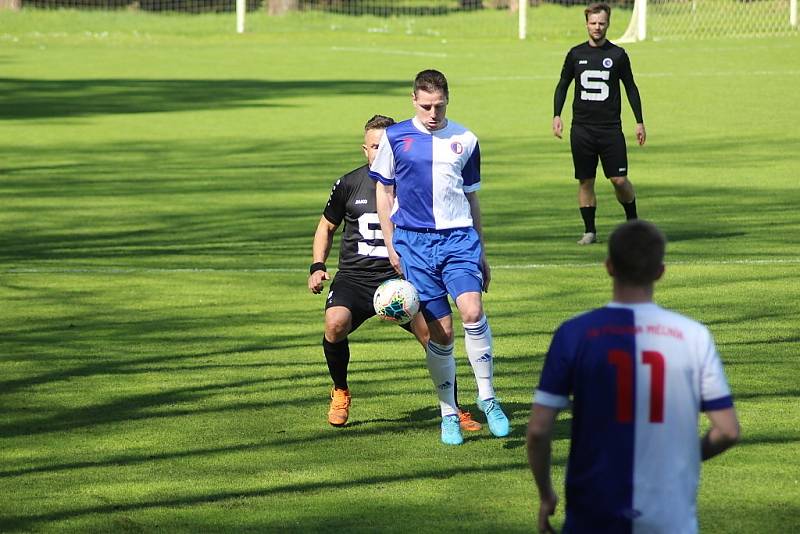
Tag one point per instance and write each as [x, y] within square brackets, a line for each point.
[317, 266]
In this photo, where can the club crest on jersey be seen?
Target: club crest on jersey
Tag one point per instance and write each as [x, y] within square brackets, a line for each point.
[607, 62]
[407, 142]
[457, 147]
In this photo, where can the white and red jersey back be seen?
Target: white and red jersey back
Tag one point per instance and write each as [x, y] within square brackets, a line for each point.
[639, 375]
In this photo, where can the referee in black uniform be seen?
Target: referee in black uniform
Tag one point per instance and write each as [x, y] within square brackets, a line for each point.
[597, 66]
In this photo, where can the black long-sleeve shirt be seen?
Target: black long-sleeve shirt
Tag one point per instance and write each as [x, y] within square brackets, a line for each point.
[597, 72]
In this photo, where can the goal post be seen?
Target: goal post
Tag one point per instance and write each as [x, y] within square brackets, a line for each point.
[241, 10]
[692, 19]
[436, 18]
[637, 27]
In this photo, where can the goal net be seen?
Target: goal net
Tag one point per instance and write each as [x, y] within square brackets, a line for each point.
[437, 18]
[155, 6]
[697, 19]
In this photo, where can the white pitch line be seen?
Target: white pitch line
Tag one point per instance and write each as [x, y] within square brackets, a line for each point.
[732, 74]
[787, 261]
[520, 267]
[387, 51]
[145, 270]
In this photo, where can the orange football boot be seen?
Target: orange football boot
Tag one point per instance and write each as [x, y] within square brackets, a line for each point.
[340, 407]
[467, 422]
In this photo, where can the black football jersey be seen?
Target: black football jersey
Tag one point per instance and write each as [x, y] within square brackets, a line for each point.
[597, 72]
[362, 248]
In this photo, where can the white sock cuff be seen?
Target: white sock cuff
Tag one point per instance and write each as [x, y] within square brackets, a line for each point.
[440, 351]
[477, 329]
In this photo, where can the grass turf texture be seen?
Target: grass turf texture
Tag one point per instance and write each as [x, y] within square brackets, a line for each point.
[161, 180]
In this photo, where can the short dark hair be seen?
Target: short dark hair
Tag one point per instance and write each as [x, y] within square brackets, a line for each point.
[431, 81]
[378, 122]
[597, 7]
[636, 252]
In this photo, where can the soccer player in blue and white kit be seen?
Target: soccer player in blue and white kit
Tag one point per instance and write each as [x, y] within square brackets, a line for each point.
[363, 266]
[427, 171]
[638, 375]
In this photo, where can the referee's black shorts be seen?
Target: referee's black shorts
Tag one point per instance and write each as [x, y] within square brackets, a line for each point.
[355, 293]
[590, 142]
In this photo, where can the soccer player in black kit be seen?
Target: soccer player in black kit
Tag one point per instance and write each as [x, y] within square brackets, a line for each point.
[363, 266]
[597, 66]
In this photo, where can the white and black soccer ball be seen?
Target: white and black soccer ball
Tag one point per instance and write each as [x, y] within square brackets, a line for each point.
[396, 301]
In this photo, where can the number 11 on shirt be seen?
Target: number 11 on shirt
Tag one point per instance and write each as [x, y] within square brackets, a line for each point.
[624, 363]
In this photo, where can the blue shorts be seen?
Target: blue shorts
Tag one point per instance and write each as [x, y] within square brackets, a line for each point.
[438, 263]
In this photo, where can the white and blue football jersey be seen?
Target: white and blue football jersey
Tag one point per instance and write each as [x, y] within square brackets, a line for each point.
[431, 171]
[638, 375]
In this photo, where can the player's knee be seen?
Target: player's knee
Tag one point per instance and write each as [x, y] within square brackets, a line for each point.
[336, 329]
[472, 313]
[620, 182]
[470, 306]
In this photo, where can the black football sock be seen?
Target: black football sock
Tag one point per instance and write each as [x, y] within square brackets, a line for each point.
[587, 212]
[630, 209]
[338, 356]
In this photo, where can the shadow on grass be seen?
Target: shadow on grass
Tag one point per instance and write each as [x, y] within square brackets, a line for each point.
[24, 98]
[254, 204]
[23, 522]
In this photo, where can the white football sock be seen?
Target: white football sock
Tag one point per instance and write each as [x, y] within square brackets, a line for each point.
[478, 342]
[442, 368]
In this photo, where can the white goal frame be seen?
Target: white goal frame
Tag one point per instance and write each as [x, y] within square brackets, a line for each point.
[522, 15]
[637, 27]
[241, 10]
[636, 30]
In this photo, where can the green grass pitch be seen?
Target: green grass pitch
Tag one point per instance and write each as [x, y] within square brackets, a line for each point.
[161, 179]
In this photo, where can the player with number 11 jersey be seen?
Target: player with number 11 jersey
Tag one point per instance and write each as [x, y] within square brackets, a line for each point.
[639, 375]
[629, 466]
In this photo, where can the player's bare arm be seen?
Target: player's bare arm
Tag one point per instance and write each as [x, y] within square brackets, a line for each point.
[539, 439]
[321, 247]
[475, 211]
[723, 434]
[384, 201]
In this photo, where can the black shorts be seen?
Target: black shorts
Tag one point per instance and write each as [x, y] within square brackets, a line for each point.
[356, 294]
[590, 142]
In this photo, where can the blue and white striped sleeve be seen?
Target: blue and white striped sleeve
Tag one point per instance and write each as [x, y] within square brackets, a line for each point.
[382, 168]
[471, 173]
